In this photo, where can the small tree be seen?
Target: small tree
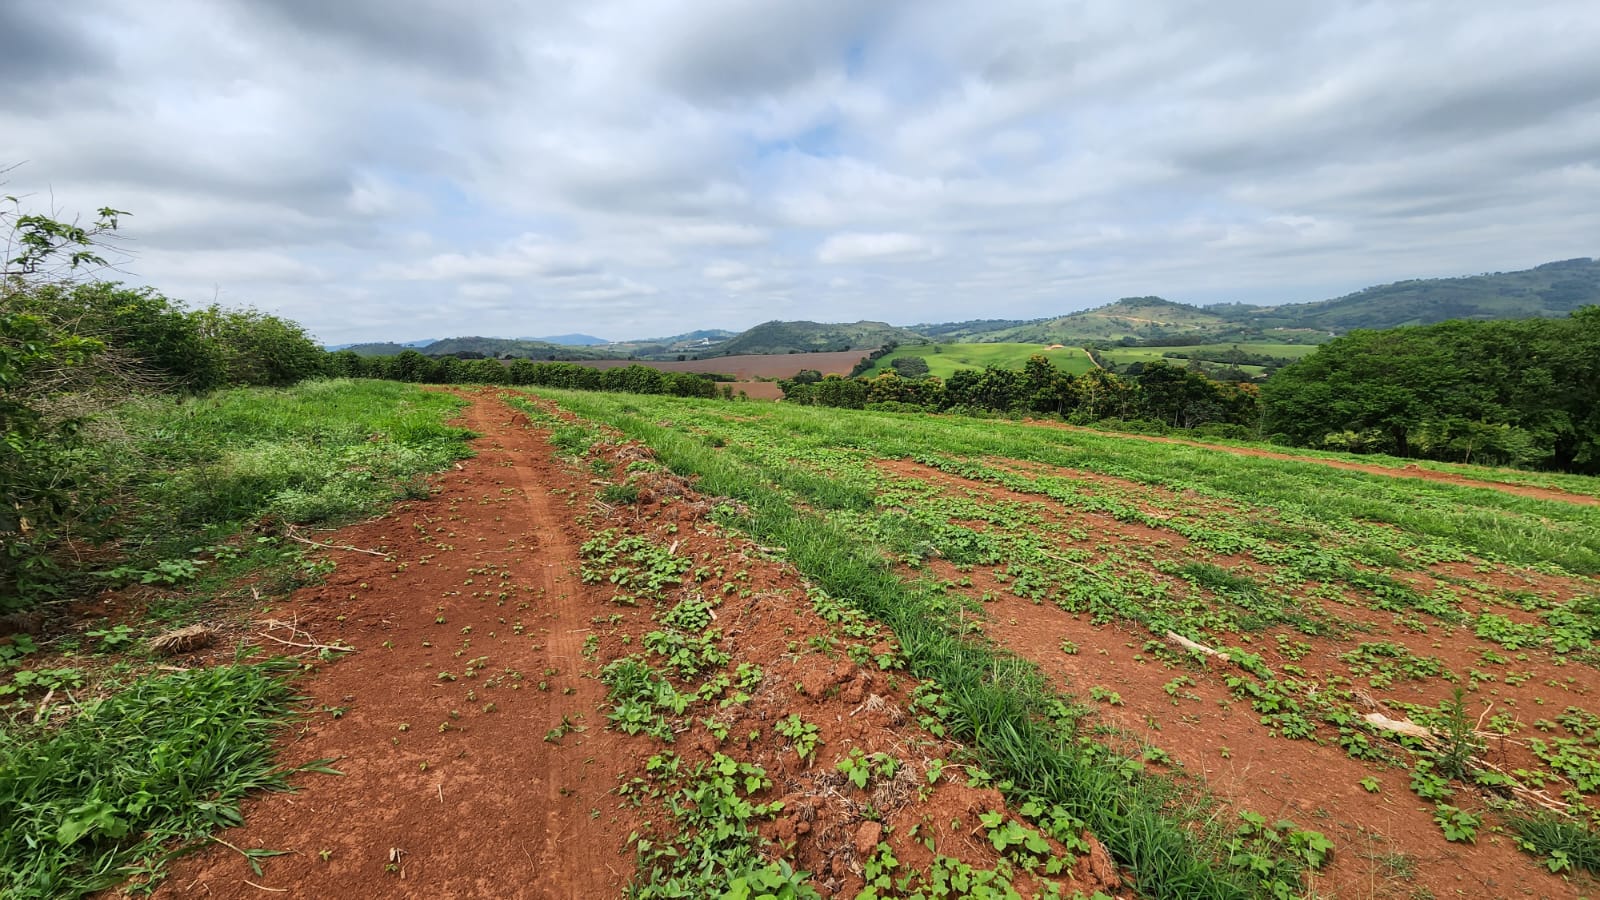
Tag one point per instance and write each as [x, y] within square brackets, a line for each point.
[910, 367]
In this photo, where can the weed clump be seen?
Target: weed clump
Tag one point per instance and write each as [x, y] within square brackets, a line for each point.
[77, 816]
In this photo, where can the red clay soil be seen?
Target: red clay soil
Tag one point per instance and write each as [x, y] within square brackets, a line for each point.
[1410, 471]
[439, 797]
[1388, 844]
[475, 636]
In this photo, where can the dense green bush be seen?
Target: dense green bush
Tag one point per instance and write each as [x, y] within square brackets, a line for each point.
[1165, 395]
[413, 367]
[1523, 392]
[70, 350]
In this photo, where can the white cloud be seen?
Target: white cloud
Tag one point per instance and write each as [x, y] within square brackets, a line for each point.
[637, 167]
[884, 246]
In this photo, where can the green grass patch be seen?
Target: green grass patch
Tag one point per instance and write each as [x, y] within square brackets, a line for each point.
[945, 360]
[134, 777]
[1562, 844]
[318, 452]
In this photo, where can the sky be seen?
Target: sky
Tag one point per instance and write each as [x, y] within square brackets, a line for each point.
[406, 169]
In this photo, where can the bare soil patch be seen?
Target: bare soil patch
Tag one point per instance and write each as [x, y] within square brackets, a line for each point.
[746, 369]
[448, 789]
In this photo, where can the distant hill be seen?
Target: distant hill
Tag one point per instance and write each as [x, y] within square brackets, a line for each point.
[956, 332]
[385, 348]
[1549, 291]
[706, 334]
[812, 337]
[519, 349]
[381, 348]
[568, 340]
[690, 344]
[1137, 318]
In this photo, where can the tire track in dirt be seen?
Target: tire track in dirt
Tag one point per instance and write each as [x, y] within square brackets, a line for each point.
[450, 788]
[550, 558]
[1519, 490]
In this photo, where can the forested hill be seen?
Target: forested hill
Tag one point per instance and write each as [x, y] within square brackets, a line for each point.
[1548, 291]
[1141, 318]
[1552, 290]
[812, 337]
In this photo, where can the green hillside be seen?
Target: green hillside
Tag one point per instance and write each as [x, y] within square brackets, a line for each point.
[1253, 358]
[945, 360]
[693, 343]
[1549, 291]
[500, 347]
[957, 332]
[384, 348]
[812, 337]
[1137, 318]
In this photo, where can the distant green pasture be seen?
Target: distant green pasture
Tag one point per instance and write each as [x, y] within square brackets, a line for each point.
[945, 360]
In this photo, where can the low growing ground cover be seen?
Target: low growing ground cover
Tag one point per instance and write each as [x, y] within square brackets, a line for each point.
[1407, 666]
[567, 679]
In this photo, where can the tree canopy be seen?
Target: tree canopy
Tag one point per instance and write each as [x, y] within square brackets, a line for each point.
[1523, 392]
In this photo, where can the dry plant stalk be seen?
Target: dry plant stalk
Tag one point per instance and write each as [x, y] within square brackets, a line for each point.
[184, 640]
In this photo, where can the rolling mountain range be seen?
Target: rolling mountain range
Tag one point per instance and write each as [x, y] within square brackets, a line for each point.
[1551, 290]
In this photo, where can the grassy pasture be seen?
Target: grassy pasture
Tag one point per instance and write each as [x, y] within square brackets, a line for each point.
[945, 360]
[1126, 356]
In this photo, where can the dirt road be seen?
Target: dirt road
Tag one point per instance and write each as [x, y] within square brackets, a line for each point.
[438, 719]
[468, 721]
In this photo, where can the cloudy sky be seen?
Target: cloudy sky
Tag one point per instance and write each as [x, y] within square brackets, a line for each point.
[399, 169]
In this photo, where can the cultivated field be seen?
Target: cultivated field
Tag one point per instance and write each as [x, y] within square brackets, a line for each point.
[945, 360]
[746, 369]
[1405, 665]
[667, 648]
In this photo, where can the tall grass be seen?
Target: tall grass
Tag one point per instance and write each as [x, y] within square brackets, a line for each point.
[165, 759]
[320, 451]
[131, 778]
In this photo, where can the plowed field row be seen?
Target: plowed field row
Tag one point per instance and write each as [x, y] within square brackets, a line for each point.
[1407, 666]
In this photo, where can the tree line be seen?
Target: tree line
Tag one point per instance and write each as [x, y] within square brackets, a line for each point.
[1160, 394]
[414, 367]
[70, 351]
[1522, 392]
